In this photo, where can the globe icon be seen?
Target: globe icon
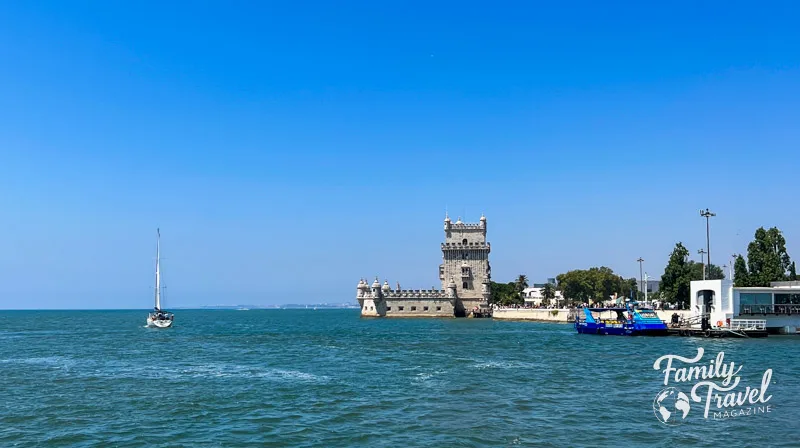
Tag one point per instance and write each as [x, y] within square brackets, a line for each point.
[671, 406]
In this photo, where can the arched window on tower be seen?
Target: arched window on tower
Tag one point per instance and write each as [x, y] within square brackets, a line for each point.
[464, 241]
[465, 285]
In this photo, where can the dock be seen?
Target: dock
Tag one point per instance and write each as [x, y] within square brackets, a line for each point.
[735, 328]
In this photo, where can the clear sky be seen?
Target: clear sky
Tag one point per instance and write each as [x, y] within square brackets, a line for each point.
[287, 150]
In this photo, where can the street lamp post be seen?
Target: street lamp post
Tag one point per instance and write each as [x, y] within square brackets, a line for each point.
[708, 214]
[642, 286]
[702, 261]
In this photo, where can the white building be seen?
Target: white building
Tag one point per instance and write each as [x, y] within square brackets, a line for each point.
[534, 297]
[778, 303]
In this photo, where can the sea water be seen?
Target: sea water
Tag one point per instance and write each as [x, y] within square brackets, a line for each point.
[328, 378]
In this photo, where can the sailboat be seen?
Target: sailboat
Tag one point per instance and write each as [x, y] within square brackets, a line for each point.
[159, 318]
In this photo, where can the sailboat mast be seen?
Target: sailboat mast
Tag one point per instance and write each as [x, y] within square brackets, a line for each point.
[158, 270]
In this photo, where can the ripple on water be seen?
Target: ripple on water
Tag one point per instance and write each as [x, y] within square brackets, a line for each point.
[285, 378]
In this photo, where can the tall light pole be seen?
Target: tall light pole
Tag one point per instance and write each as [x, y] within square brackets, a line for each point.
[702, 261]
[641, 276]
[708, 214]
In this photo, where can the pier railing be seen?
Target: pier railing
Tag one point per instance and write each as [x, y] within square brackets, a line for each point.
[691, 321]
[748, 324]
[787, 309]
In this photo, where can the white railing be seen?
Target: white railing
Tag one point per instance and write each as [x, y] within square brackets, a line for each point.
[748, 324]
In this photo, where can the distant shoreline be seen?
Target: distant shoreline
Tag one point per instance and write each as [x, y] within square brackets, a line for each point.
[197, 308]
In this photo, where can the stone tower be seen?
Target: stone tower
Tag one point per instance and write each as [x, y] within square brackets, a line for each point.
[465, 262]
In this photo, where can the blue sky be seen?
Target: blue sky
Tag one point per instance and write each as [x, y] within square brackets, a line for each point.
[285, 151]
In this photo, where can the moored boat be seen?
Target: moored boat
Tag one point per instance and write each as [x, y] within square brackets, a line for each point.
[621, 321]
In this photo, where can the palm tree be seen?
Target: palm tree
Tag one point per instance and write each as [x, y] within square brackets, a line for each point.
[522, 282]
[548, 293]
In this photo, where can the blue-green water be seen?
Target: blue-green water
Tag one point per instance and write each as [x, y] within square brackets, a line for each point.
[299, 378]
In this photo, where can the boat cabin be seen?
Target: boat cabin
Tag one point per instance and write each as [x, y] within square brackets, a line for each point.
[629, 320]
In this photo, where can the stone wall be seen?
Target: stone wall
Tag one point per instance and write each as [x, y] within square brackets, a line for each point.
[472, 259]
[535, 314]
[369, 308]
[419, 308]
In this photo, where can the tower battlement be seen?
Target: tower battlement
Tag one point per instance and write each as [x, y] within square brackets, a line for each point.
[464, 225]
[469, 245]
[401, 293]
[433, 293]
[465, 275]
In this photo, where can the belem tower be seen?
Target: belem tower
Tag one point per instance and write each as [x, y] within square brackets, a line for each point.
[465, 274]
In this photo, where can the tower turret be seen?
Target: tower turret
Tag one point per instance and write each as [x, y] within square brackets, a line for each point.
[486, 292]
[376, 289]
[362, 288]
[386, 287]
[451, 289]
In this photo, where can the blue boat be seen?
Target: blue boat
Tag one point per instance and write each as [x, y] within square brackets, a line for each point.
[629, 321]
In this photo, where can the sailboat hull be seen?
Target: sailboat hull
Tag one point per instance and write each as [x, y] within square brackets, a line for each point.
[159, 323]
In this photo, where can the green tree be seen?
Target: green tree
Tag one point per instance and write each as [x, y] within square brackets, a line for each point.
[676, 281]
[591, 285]
[741, 277]
[548, 293]
[505, 294]
[575, 286]
[792, 272]
[713, 272]
[607, 284]
[767, 259]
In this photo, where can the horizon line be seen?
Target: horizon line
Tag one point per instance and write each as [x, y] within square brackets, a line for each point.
[200, 308]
